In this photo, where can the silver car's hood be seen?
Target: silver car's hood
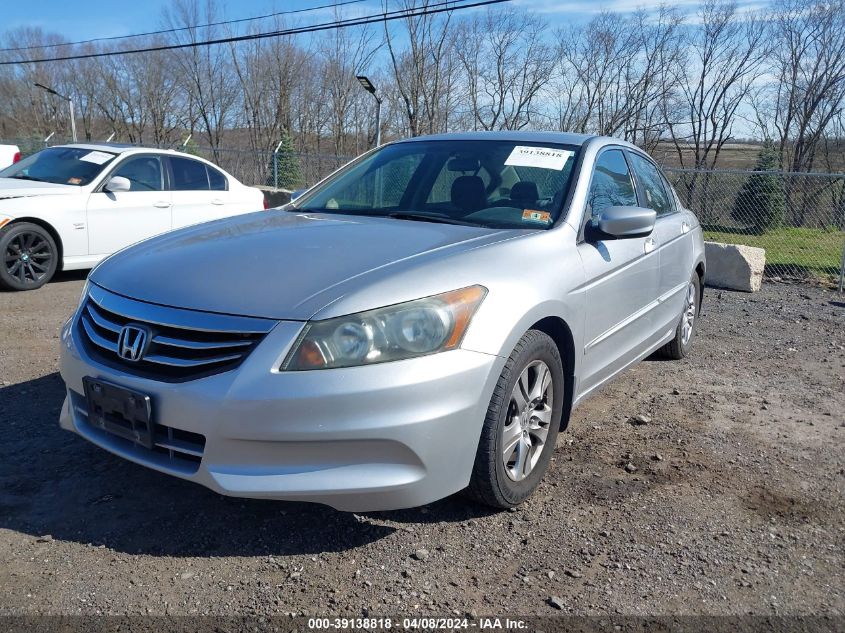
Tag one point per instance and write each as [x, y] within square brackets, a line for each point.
[275, 264]
[18, 188]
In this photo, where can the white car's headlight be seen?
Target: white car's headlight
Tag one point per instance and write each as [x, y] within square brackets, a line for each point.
[405, 330]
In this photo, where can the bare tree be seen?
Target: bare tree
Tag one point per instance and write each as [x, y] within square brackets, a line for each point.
[725, 57]
[809, 87]
[506, 63]
[207, 70]
[344, 52]
[424, 71]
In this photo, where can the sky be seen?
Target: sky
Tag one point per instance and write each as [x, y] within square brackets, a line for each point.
[84, 19]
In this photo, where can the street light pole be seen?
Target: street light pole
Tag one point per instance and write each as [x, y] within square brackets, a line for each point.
[369, 87]
[70, 103]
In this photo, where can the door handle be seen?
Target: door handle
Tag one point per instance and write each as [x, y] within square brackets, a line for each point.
[685, 227]
[217, 201]
[161, 204]
[648, 245]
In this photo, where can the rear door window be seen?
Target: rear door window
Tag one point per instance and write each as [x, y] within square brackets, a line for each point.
[216, 180]
[188, 175]
[653, 193]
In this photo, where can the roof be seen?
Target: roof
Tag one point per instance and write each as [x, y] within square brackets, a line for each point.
[520, 136]
[527, 136]
[115, 148]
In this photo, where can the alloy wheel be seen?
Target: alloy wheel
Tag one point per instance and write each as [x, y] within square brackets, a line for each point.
[528, 419]
[688, 318]
[28, 257]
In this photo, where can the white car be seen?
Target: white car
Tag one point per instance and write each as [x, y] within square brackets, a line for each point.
[68, 207]
[9, 154]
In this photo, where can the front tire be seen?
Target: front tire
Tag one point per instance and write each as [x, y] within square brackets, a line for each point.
[680, 346]
[30, 256]
[522, 423]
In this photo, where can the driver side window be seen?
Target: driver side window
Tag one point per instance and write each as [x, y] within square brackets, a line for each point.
[144, 173]
[611, 185]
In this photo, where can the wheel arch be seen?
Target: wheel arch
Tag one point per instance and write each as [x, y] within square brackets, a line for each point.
[700, 269]
[51, 230]
[560, 332]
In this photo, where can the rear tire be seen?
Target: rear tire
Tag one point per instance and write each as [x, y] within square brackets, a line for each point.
[29, 256]
[680, 346]
[522, 423]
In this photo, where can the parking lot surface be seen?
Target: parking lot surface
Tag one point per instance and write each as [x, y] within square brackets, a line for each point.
[725, 496]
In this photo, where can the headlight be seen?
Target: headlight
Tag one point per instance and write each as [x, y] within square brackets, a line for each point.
[405, 330]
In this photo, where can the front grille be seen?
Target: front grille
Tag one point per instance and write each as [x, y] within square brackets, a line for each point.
[184, 344]
[173, 448]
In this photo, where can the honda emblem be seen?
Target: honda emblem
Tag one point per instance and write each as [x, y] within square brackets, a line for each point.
[132, 342]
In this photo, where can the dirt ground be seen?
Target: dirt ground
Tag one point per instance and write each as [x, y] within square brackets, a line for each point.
[734, 505]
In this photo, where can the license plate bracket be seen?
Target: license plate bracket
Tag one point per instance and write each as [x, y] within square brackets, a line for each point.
[119, 411]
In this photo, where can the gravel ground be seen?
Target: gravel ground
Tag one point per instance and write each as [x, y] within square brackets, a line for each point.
[727, 500]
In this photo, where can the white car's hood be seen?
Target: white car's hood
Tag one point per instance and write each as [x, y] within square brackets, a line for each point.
[19, 188]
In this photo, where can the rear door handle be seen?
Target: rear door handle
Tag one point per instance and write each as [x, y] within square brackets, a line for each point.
[685, 227]
[217, 201]
[161, 204]
[648, 245]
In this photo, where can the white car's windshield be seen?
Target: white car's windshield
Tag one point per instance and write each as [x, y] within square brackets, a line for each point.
[499, 184]
[61, 165]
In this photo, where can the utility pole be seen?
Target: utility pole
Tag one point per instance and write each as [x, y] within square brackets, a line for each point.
[70, 103]
[369, 87]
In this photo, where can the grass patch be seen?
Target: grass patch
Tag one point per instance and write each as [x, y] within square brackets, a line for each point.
[790, 250]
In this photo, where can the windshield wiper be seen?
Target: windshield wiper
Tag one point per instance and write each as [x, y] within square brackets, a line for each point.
[22, 177]
[422, 217]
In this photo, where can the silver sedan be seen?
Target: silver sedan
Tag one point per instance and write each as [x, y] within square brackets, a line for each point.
[419, 323]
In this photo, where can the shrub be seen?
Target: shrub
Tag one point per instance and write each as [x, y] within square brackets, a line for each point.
[761, 204]
[287, 174]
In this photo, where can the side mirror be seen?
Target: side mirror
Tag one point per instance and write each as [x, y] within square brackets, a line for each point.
[627, 221]
[295, 194]
[117, 184]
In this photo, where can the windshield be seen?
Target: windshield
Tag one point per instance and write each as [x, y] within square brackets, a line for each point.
[498, 184]
[60, 165]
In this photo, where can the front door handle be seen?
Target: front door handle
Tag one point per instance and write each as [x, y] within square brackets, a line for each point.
[217, 201]
[648, 245]
[161, 204]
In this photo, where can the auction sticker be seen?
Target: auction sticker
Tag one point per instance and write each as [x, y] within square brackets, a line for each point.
[541, 217]
[98, 158]
[543, 157]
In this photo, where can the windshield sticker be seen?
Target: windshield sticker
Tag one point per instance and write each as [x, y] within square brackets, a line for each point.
[541, 217]
[543, 157]
[98, 158]
[74, 181]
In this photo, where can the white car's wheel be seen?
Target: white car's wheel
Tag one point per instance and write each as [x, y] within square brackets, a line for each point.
[30, 256]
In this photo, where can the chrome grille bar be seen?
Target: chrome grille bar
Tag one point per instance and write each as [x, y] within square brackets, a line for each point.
[184, 344]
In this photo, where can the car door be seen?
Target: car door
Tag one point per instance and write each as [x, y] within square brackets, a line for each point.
[623, 277]
[200, 192]
[118, 219]
[672, 240]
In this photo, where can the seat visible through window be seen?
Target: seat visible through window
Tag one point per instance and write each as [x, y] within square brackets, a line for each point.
[524, 194]
[468, 194]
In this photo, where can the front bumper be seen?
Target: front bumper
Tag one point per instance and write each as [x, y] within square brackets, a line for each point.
[387, 436]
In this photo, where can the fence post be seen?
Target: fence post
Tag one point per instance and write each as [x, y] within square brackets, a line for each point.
[842, 268]
[276, 165]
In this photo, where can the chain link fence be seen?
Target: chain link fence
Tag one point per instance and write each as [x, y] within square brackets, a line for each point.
[799, 218]
[279, 170]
